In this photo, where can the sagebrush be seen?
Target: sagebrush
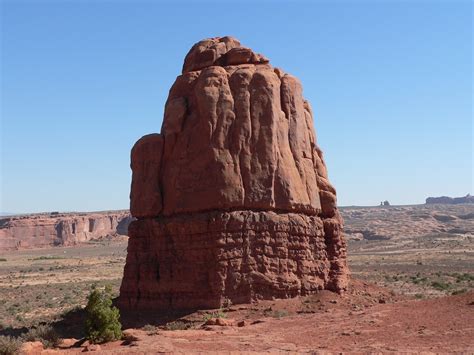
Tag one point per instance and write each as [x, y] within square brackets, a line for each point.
[9, 345]
[44, 333]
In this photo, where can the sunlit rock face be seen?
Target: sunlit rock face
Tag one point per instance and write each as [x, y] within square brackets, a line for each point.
[44, 230]
[232, 198]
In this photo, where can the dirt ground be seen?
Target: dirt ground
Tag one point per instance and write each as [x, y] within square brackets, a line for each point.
[41, 285]
[365, 320]
[410, 293]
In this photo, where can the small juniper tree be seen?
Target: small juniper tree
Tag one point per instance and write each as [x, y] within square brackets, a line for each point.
[102, 319]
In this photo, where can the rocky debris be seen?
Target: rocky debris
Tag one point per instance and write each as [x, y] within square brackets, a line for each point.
[445, 324]
[450, 200]
[69, 342]
[242, 323]
[222, 322]
[232, 197]
[91, 347]
[60, 229]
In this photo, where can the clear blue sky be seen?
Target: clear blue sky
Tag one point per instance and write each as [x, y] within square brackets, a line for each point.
[390, 84]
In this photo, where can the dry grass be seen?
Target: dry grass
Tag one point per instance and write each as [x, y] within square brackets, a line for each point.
[41, 285]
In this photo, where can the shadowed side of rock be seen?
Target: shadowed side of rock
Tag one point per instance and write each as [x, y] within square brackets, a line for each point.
[232, 198]
[204, 259]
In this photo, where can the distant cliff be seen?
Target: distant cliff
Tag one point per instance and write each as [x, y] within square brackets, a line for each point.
[60, 229]
[450, 200]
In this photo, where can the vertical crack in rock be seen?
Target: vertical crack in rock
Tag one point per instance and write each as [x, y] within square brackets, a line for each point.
[232, 198]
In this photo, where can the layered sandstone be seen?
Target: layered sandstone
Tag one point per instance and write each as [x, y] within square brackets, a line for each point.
[232, 198]
[450, 200]
[60, 229]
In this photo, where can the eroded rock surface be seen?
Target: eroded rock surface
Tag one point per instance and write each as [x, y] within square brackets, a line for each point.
[60, 229]
[232, 198]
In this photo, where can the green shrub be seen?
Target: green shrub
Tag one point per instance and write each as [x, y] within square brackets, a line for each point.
[102, 319]
[218, 314]
[178, 325]
[440, 285]
[45, 334]
[149, 328]
[417, 279]
[9, 345]
[275, 314]
[48, 257]
[459, 292]
[464, 277]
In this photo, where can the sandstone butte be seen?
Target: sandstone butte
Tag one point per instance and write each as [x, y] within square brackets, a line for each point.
[232, 199]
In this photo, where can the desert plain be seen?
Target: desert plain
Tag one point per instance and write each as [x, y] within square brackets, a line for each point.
[411, 290]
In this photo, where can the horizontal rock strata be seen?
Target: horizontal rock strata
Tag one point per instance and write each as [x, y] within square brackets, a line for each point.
[207, 258]
[60, 229]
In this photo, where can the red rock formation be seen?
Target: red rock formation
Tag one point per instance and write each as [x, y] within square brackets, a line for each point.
[232, 198]
[450, 200]
[65, 229]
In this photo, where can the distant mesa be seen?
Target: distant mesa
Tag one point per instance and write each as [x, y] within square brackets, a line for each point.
[450, 200]
[232, 198]
[4, 214]
[43, 230]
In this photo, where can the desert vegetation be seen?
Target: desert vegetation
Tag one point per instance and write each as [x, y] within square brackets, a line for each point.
[102, 319]
[45, 292]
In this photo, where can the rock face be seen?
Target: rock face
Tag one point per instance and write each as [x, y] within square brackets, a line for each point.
[232, 198]
[450, 200]
[65, 229]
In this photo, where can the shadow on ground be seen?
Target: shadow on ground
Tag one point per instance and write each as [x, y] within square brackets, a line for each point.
[71, 324]
[134, 319]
